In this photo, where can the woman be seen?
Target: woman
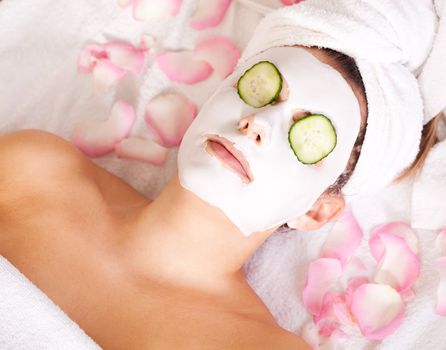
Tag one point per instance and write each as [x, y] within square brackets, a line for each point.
[136, 273]
[166, 274]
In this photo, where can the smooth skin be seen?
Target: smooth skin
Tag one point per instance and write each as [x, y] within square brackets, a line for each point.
[134, 273]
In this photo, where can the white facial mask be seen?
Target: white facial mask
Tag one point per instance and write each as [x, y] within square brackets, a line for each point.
[283, 188]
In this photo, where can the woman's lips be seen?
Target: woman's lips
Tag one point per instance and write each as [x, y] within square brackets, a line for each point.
[230, 157]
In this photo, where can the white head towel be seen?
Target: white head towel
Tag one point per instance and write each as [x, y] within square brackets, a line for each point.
[390, 41]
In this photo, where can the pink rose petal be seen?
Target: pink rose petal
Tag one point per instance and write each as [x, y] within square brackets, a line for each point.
[147, 42]
[220, 52]
[334, 311]
[399, 267]
[353, 284]
[408, 295]
[110, 62]
[144, 10]
[440, 242]
[97, 138]
[142, 150]
[169, 115]
[183, 67]
[126, 56]
[310, 333]
[326, 310]
[378, 309]
[290, 2]
[353, 269]
[209, 13]
[326, 327]
[342, 313]
[89, 56]
[355, 263]
[343, 239]
[322, 275]
[399, 229]
[105, 74]
[441, 291]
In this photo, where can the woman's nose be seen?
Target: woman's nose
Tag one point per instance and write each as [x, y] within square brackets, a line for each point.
[247, 126]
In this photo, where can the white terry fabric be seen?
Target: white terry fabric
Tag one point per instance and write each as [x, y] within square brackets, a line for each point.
[429, 191]
[29, 320]
[433, 76]
[390, 40]
[39, 44]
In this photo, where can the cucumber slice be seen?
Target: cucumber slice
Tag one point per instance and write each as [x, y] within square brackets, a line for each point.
[312, 138]
[260, 85]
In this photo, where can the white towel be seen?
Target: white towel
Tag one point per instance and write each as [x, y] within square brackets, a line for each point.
[433, 76]
[29, 320]
[429, 191]
[390, 41]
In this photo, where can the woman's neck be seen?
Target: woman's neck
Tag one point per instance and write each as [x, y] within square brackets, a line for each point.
[182, 240]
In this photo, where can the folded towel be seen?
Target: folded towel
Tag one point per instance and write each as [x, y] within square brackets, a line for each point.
[390, 41]
[429, 191]
[433, 76]
[30, 320]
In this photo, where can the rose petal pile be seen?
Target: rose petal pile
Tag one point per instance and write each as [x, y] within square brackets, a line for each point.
[340, 292]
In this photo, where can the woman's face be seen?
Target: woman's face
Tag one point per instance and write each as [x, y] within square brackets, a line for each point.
[265, 184]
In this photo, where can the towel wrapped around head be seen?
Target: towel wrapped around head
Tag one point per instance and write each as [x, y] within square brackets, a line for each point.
[390, 42]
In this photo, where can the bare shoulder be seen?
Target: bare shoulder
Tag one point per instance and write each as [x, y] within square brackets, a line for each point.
[36, 151]
[34, 159]
[282, 339]
[42, 171]
[255, 333]
[265, 337]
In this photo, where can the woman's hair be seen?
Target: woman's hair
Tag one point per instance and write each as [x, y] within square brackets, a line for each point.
[347, 66]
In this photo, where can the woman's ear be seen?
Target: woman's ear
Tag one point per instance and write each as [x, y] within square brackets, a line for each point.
[327, 208]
